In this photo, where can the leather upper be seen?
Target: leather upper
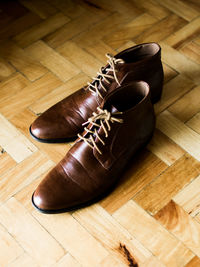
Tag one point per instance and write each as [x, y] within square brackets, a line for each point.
[84, 174]
[64, 120]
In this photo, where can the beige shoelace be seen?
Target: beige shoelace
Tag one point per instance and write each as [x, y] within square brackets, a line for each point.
[112, 61]
[103, 116]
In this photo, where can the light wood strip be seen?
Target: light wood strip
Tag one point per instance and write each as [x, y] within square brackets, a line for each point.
[40, 30]
[173, 90]
[181, 9]
[144, 168]
[155, 237]
[158, 193]
[194, 262]
[6, 162]
[55, 152]
[24, 173]
[65, 229]
[169, 73]
[59, 93]
[16, 145]
[194, 123]
[63, 68]
[23, 261]
[67, 261]
[180, 63]
[22, 61]
[9, 248]
[184, 227]
[22, 99]
[171, 24]
[103, 28]
[12, 85]
[71, 29]
[112, 235]
[153, 8]
[5, 69]
[179, 133]
[189, 197]
[192, 50]
[129, 30]
[36, 242]
[185, 34]
[87, 63]
[187, 106]
[164, 148]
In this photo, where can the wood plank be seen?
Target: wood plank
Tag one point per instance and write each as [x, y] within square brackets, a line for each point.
[63, 68]
[25, 97]
[68, 261]
[59, 93]
[142, 170]
[19, 25]
[181, 134]
[23, 120]
[153, 8]
[5, 69]
[6, 162]
[169, 73]
[164, 148]
[70, 8]
[80, 58]
[71, 29]
[40, 30]
[112, 235]
[65, 229]
[129, 31]
[12, 85]
[41, 8]
[194, 262]
[158, 193]
[15, 144]
[183, 226]
[187, 106]
[171, 24]
[181, 9]
[179, 62]
[184, 35]
[101, 29]
[154, 236]
[21, 60]
[173, 90]
[192, 50]
[23, 261]
[10, 250]
[194, 123]
[23, 174]
[189, 197]
[36, 242]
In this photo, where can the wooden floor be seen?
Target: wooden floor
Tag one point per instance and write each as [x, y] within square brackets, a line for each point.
[49, 49]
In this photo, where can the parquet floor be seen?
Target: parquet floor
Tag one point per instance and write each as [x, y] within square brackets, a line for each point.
[49, 49]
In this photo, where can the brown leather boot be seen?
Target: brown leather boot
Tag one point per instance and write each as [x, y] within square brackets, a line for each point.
[116, 131]
[63, 121]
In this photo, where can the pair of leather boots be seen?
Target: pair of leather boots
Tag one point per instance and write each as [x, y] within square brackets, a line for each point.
[115, 117]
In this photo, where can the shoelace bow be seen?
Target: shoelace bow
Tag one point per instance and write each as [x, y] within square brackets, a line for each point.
[102, 116]
[112, 61]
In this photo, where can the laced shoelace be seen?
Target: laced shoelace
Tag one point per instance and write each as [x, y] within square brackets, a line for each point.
[102, 116]
[112, 62]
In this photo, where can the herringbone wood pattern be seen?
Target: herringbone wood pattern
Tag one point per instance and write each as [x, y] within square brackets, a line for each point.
[49, 49]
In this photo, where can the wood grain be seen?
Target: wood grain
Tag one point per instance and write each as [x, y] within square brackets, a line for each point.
[51, 49]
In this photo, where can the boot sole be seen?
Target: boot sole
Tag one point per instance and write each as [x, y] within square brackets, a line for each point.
[52, 141]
